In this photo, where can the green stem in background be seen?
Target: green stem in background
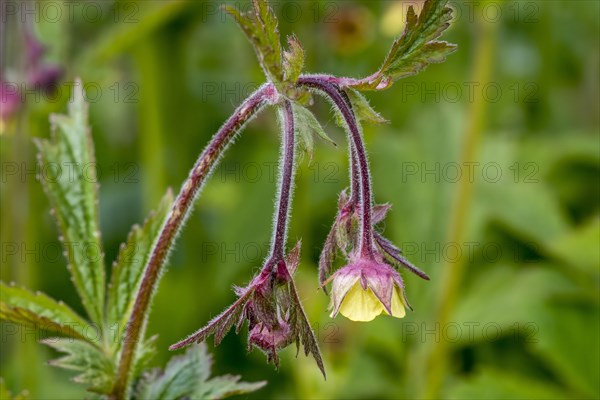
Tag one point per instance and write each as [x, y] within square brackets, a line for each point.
[453, 271]
[180, 210]
[20, 227]
[19, 223]
[148, 59]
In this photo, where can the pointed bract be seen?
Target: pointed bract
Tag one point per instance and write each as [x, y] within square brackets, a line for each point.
[394, 255]
[293, 60]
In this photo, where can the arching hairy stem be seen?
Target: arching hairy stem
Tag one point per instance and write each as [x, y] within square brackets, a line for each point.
[325, 85]
[354, 176]
[354, 162]
[173, 223]
[286, 184]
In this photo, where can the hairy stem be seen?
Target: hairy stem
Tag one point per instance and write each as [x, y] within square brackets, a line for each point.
[174, 221]
[340, 100]
[354, 163]
[354, 176]
[285, 184]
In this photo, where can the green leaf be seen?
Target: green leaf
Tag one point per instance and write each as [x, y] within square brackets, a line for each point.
[307, 124]
[493, 384]
[305, 139]
[74, 197]
[306, 143]
[129, 267]
[579, 247]
[538, 220]
[144, 354]
[515, 299]
[293, 60]
[97, 370]
[187, 376]
[416, 48]
[541, 307]
[260, 26]
[37, 310]
[224, 386]
[568, 340]
[362, 110]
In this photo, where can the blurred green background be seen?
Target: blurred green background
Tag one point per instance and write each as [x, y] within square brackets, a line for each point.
[491, 161]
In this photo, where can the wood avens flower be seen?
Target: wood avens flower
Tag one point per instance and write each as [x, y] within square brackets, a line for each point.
[365, 289]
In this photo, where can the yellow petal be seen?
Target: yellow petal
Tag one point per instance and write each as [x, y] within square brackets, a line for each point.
[360, 304]
[398, 310]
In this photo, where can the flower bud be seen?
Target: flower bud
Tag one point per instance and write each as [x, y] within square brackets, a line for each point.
[270, 339]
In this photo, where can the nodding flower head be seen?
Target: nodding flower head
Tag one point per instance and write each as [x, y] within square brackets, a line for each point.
[272, 308]
[364, 289]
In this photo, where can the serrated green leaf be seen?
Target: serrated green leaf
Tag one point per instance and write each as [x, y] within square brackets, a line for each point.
[74, 197]
[187, 376]
[293, 60]
[260, 26]
[129, 267]
[416, 48]
[306, 143]
[37, 310]
[306, 122]
[144, 354]
[97, 370]
[226, 386]
[180, 377]
[272, 43]
[362, 110]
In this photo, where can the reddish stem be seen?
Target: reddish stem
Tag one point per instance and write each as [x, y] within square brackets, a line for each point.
[354, 168]
[285, 185]
[332, 90]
